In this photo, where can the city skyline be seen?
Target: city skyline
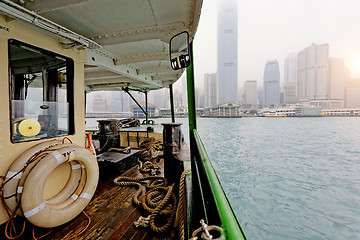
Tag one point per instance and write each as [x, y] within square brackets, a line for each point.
[272, 29]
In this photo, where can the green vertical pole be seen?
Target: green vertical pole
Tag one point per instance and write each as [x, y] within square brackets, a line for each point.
[191, 92]
[146, 108]
[172, 103]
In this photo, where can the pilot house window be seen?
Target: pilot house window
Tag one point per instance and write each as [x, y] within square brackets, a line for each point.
[41, 93]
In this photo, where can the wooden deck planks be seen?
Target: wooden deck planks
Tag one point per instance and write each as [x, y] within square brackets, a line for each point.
[112, 215]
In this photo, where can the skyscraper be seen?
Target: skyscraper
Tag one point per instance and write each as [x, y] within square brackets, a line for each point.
[312, 73]
[227, 52]
[290, 74]
[339, 75]
[352, 96]
[184, 99]
[210, 89]
[250, 93]
[272, 83]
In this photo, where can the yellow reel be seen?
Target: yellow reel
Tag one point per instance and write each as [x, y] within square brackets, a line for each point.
[29, 127]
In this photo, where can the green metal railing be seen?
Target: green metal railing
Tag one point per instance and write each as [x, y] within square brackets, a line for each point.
[213, 194]
[209, 201]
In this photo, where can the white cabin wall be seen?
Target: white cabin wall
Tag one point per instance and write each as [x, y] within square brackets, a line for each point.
[11, 29]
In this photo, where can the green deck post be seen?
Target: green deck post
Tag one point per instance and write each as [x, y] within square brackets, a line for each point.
[172, 103]
[146, 107]
[191, 92]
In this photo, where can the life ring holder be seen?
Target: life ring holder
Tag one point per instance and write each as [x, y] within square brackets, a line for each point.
[43, 214]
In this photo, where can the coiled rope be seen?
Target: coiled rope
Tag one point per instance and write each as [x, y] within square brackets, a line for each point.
[150, 149]
[160, 201]
[149, 167]
[181, 209]
[150, 153]
[137, 182]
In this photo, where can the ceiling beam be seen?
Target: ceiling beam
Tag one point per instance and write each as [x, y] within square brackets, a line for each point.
[167, 77]
[164, 33]
[123, 80]
[158, 56]
[154, 70]
[101, 59]
[41, 6]
[101, 75]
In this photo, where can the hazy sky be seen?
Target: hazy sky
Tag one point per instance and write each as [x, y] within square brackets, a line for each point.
[270, 29]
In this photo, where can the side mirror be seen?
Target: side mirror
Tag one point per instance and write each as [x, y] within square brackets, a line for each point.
[180, 51]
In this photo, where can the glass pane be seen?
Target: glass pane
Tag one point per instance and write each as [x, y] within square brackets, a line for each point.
[39, 95]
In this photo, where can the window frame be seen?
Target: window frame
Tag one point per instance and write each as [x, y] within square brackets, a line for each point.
[70, 68]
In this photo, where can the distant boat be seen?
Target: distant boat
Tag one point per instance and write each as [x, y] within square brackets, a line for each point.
[275, 116]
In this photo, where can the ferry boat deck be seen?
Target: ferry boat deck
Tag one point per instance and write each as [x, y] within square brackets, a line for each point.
[111, 212]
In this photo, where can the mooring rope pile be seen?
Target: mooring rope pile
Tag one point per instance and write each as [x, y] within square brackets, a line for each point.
[160, 201]
[150, 149]
[150, 153]
[154, 181]
[149, 167]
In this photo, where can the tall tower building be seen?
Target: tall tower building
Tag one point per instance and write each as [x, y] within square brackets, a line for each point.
[157, 97]
[312, 73]
[184, 99]
[290, 74]
[227, 52]
[272, 83]
[210, 89]
[250, 93]
[339, 75]
[352, 95]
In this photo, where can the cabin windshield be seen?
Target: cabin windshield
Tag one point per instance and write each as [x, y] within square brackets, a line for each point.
[41, 96]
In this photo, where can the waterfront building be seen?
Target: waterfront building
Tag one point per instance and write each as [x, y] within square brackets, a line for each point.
[352, 93]
[308, 111]
[290, 68]
[184, 99]
[290, 93]
[272, 83]
[339, 75]
[153, 111]
[99, 101]
[260, 94]
[290, 76]
[312, 73]
[342, 112]
[250, 93]
[210, 89]
[227, 52]
[199, 98]
[120, 101]
[226, 110]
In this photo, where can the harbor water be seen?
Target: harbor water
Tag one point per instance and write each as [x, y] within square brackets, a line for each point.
[288, 178]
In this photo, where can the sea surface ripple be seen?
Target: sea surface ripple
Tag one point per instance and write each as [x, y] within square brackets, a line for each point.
[289, 178]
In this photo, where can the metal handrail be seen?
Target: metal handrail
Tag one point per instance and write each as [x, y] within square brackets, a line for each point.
[228, 219]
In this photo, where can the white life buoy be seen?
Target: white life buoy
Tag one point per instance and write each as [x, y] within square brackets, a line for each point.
[14, 174]
[41, 212]
[75, 184]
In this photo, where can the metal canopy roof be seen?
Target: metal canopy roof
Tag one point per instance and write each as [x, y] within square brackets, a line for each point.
[133, 36]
